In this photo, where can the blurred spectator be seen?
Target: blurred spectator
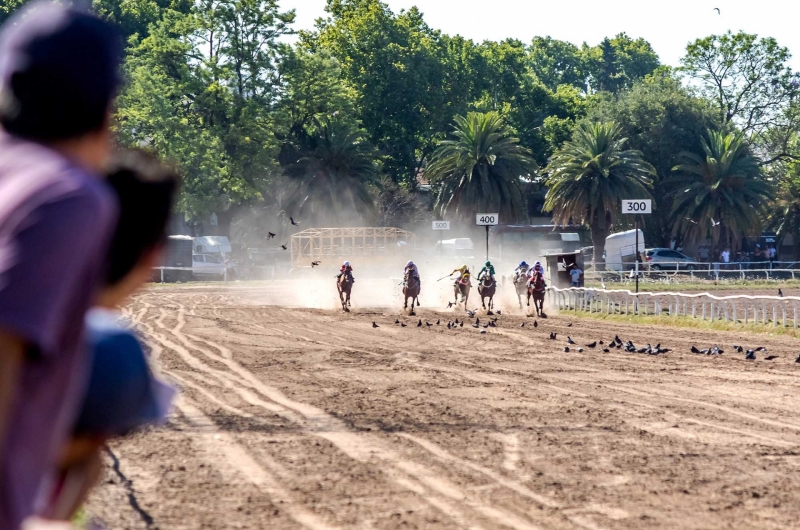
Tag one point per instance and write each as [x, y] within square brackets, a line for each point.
[122, 394]
[59, 72]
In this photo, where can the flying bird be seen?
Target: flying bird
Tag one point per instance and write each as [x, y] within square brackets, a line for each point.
[270, 235]
[717, 10]
[715, 223]
[499, 312]
[315, 264]
[284, 247]
[291, 220]
[374, 325]
[690, 220]
[450, 304]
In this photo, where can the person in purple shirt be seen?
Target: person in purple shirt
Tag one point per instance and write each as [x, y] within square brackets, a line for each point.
[59, 73]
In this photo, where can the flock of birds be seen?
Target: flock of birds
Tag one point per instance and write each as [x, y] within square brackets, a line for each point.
[606, 347]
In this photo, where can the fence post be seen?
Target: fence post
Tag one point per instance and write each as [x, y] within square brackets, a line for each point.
[735, 319]
[694, 308]
[774, 316]
[783, 308]
[704, 310]
[162, 274]
[712, 311]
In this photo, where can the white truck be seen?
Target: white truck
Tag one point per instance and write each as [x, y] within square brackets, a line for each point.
[621, 250]
[209, 256]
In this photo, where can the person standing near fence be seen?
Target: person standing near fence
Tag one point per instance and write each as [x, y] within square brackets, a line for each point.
[59, 73]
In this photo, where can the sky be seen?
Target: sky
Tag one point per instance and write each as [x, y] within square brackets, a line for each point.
[667, 24]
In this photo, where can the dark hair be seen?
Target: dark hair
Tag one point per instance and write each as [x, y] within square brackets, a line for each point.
[145, 190]
[60, 72]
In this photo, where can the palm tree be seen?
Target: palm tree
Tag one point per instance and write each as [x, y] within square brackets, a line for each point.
[590, 176]
[480, 169]
[721, 194]
[330, 184]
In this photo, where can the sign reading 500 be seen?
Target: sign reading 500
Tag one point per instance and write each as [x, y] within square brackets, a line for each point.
[487, 219]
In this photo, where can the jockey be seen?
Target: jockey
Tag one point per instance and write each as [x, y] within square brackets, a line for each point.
[537, 267]
[522, 269]
[463, 276]
[488, 269]
[411, 267]
[348, 269]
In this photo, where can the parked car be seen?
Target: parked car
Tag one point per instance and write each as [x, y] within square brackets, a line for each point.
[666, 258]
[207, 266]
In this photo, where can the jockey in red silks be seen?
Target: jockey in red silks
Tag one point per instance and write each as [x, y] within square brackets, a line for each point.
[346, 269]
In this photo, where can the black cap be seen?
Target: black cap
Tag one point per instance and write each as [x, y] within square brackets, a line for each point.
[59, 71]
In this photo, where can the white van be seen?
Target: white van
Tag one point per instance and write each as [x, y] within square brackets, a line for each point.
[212, 245]
[621, 250]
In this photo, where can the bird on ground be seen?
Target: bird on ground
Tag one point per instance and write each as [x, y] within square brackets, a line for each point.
[419, 324]
[619, 345]
[566, 349]
[437, 321]
[461, 324]
[403, 325]
[798, 359]
[499, 312]
[428, 324]
[456, 321]
[569, 340]
[606, 350]
[449, 325]
[657, 346]
[492, 324]
[291, 220]
[580, 350]
[717, 10]
[552, 335]
[450, 304]
[716, 350]
[483, 332]
[770, 357]
[270, 235]
[374, 325]
[476, 325]
[284, 247]
[315, 264]
[397, 321]
[641, 350]
[665, 350]
[737, 348]
[486, 325]
[569, 325]
[760, 348]
[522, 325]
[601, 343]
[780, 293]
[617, 339]
[695, 350]
[535, 324]
[592, 344]
[750, 355]
[705, 351]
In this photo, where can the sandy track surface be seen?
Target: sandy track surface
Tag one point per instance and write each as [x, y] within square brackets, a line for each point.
[296, 418]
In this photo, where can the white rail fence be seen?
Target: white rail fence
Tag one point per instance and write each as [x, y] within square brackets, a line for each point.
[765, 310]
[742, 270]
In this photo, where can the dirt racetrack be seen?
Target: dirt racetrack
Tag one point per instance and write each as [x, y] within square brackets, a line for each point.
[310, 418]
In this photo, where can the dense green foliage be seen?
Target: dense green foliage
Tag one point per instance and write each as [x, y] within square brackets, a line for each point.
[356, 113]
[480, 168]
[721, 194]
[589, 177]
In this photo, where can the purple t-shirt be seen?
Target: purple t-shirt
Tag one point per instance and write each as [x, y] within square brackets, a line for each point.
[55, 221]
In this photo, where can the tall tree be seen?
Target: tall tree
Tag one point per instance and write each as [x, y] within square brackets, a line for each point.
[784, 213]
[661, 119]
[556, 62]
[720, 195]
[331, 183]
[616, 64]
[410, 80]
[480, 169]
[590, 175]
[751, 85]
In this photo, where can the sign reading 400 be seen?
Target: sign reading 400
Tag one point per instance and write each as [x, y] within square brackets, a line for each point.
[487, 219]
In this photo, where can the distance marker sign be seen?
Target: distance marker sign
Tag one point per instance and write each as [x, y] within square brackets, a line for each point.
[441, 225]
[487, 219]
[637, 206]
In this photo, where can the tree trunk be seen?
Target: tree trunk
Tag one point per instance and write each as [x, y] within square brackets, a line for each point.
[599, 235]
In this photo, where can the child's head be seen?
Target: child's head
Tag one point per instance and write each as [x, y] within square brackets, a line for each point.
[145, 190]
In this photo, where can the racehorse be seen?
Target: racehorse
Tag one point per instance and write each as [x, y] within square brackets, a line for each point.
[486, 289]
[536, 290]
[462, 287]
[411, 290]
[344, 285]
[520, 285]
